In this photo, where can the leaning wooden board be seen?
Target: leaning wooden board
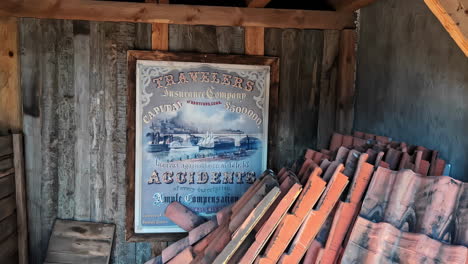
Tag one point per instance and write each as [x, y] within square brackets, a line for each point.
[80, 242]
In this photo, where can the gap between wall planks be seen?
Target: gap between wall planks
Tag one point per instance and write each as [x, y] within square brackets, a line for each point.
[10, 93]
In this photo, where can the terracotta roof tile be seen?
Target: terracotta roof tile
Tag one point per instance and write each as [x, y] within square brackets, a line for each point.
[341, 220]
[414, 203]
[439, 167]
[186, 256]
[393, 158]
[315, 219]
[183, 216]
[291, 222]
[247, 226]
[284, 187]
[336, 142]
[347, 141]
[357, 142]
[382, 243]
[193, 237]
[312, 253]
[267, 229]
[242, 213]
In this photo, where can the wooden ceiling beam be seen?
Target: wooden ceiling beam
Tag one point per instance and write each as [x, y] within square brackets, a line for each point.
[179, 14]
[349, 5]
[453, 14]
[257, 3]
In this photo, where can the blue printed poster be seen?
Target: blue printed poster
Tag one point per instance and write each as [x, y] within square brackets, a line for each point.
[201, 137]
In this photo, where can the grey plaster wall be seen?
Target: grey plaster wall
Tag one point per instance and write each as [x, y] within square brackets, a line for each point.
[412, 80]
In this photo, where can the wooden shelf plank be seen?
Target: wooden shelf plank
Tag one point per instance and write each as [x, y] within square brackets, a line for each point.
[180, 14]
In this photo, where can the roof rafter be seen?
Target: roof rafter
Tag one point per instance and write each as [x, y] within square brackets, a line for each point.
[453, 14]
[180, 14]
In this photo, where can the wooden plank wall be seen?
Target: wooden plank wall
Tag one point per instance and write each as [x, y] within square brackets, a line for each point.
[412, 81]
[8, 216]
[74, 73]
[73, 76]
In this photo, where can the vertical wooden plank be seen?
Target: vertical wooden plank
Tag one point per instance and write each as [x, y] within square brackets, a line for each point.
[327, 105]
[160, 41]
[143, 252]
[143, 36]
[143, 39]
[83, 141]
[230, 40]
[65, 109]
[254, 41]
[160, 36]
[346, 81]
[283, 43]
[307, 97]
[10, 92]
[21, 209]
[30, 39]
[119, 37]
[97, 131]
[185, 38]
[273, 48]
[51, 31]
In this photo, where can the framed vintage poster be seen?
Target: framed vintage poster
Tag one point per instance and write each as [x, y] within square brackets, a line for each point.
[197, 133]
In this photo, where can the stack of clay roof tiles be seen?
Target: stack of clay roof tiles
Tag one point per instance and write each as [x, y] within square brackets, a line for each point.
[411, 218]
[318, 211]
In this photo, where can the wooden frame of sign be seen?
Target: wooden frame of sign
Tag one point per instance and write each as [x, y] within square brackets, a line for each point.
[133, 57]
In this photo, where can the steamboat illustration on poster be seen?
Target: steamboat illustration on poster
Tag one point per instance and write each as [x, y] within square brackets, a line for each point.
[201, 137]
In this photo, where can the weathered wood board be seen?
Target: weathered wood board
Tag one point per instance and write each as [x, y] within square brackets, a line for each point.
[80, 242]
[300, 54]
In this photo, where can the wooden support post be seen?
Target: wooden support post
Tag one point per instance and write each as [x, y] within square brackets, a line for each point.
[254, 41]
[160, 36]
[346, 81]
[21, 199]
[10, 92]
[159, 41]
